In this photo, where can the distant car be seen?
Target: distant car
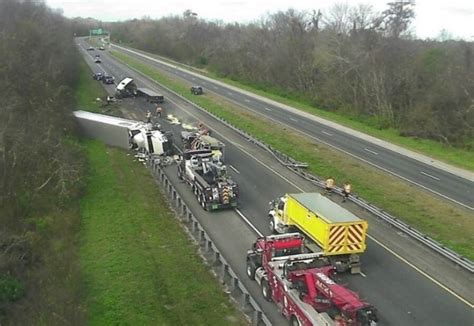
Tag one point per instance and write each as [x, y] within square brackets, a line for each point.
[108, 79]
[102, 48]
[97, 56]
[90, 48]
[98, 76]
[196, 90]
[97, 60]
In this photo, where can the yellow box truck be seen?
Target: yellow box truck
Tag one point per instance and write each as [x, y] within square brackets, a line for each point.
[338, 233]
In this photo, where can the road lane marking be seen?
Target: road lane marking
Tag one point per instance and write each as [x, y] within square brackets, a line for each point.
[293, 119]
[431, 176]
[268, 109]
[362, 274]
[260, 234]
[247, 100]
[326, 133]
[215, 87]
[371, 151]
[236, 171]
[421, 272]
[229, 93]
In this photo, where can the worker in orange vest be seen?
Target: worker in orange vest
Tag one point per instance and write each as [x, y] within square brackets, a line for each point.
[346, 191]
[329, 185]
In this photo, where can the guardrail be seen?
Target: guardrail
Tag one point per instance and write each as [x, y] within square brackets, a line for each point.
[226, 275]
[295, 167]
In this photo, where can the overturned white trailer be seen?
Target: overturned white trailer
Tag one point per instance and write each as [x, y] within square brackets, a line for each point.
[123, 133]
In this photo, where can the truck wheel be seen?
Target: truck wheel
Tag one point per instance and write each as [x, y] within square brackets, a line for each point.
[251, 269]
[203, 203]
[294, 321]
[266, 291]
[271, 225]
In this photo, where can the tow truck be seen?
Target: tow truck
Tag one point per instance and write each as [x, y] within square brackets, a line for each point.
[301, 285]
[208, 179]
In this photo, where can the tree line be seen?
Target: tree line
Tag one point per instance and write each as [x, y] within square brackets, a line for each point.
[41, 166]
[349, 59]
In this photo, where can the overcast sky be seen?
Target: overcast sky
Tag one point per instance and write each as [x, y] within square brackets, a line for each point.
[455, 16]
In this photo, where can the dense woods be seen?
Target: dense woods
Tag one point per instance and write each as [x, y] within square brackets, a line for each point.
[40, 167]
[353, 60]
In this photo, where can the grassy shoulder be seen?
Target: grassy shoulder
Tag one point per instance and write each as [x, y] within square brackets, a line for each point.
[443, 221]
[87, 91]
[459, 157]
[139, 266]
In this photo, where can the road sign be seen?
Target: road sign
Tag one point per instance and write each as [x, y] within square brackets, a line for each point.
[98, 31]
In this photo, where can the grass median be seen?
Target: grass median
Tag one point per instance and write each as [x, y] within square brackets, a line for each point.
[140, 268]
[447, 223]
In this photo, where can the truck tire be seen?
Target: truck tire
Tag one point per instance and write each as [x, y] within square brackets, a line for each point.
[203, 203]
[251, 268]
[294, 321]
[266, 291]
[271, 224]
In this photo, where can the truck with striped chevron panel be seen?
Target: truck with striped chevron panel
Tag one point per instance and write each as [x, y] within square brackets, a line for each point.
[333, 230]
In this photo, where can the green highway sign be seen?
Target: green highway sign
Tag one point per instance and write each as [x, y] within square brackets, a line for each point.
[98, 31]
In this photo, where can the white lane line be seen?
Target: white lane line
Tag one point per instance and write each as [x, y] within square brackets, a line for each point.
[293, 119]
[260, 234]
[247, 100]
[268, 109]
[422, 272]
[193, 78]
[236, 171]
[215, 87]
[371, 151]
[326, 133]
[204, 83]
[229, 93]
[362, 274]
[431, 176]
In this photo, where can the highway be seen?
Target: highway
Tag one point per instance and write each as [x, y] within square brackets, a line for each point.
[402, 294]
[456, 188]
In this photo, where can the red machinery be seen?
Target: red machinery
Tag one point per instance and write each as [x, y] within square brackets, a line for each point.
[301, 284]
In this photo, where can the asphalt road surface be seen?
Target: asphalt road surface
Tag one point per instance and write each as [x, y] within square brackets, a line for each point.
[441, 182]
[402, 294]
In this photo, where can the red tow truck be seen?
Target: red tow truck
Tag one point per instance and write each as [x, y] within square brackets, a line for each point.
[301, 284]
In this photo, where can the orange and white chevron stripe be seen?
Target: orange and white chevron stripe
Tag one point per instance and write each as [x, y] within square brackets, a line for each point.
[345, 238]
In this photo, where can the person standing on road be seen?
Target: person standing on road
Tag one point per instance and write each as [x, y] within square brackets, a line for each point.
[329, 185]
[159, 111]
[346, 191]
[148, 116]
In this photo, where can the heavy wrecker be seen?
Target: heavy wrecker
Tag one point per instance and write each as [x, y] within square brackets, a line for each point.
[301, 284]
[208, 178]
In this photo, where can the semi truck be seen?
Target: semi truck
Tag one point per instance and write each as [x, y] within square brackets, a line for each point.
[150, 95]
[302, 284]
[333, 230]
[208, 179]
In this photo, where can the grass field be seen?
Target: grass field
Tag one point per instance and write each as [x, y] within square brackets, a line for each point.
[459, 157]
[139, 266]
[443, 221]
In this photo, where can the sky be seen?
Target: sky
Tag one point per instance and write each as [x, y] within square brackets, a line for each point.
[432, 16]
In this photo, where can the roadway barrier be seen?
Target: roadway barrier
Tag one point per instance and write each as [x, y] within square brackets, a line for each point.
[224, 272]
[295, 166]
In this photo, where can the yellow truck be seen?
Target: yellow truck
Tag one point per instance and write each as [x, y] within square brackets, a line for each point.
[338, 233]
